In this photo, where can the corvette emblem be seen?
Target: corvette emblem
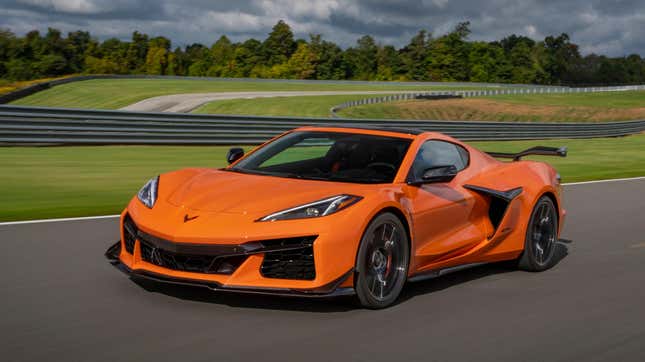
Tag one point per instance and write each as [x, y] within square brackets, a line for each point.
[189, 218]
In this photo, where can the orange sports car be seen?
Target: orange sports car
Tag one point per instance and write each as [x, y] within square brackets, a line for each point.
[324, 211]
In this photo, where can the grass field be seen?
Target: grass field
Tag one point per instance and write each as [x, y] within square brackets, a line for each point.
[589, 107]
[307, 106]
[117, 93]
[46, 182]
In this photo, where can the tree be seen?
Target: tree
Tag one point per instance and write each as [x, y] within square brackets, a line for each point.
[448, 56]
[510, 42]
[559, 57]
[414, 57]
[330, 62]
[18, 69]
[523, 65]
[387, 63]
[222, 55]
[362, 59]
[173, 66]
[135, 57]
[52, 65]
[76, 45]
[279, 45]
[156, 60]
[302, 64]
[247, 55]
[157, 56]
[94, 65]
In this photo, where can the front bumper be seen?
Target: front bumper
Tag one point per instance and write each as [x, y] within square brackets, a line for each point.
[331, 289]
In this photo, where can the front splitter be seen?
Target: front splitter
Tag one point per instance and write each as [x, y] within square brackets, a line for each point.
[328, 290]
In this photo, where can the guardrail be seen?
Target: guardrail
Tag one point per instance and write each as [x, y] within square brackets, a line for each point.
[39, 125]
[480, 93]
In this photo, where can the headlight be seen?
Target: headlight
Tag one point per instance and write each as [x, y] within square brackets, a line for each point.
[315, 209]
[148, 193]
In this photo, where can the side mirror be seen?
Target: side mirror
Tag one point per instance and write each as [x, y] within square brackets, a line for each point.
[443, 173]
[234, 154]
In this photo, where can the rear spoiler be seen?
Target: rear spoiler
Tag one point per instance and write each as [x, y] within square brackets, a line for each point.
[538, 150]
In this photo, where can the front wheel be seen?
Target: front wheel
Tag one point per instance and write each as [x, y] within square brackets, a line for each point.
[382, 262]
[541, 237]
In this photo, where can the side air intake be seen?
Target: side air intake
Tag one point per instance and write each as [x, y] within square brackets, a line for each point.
[499, 201]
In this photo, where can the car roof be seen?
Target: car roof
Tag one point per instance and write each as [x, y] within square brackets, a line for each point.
[396, 131]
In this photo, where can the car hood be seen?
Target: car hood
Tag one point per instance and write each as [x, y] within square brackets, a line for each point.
[232, 192]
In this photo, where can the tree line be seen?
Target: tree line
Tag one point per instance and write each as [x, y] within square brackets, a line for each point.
[448, 57]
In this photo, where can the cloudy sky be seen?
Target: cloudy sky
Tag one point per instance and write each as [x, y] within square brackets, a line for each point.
[612, 27]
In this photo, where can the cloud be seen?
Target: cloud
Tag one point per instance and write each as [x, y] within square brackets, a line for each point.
[614, 28]
[66, 6]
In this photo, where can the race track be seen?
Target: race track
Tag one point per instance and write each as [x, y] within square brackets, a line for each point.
[61, 300]
[182, 103]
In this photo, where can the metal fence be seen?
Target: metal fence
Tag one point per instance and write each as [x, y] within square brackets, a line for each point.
[482, 93]
[38, 125]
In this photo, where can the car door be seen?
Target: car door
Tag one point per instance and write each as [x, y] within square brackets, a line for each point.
[442, 212]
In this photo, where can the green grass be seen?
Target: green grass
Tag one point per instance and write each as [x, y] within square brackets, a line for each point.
[117, 93]
[44, 182]
[588, 159]
[581, 107]
[375, 111]
[47, 182]
[306, 106]
[628, 99]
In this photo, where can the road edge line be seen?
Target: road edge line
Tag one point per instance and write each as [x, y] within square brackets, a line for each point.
[58, 220]
[602, 181]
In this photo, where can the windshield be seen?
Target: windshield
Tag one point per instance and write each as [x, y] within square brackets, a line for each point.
[328, 156]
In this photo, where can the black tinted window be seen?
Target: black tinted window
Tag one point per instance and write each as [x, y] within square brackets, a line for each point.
[439, 153]
[329, 156]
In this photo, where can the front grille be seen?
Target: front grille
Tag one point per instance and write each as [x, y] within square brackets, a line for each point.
[129, 234]
[293, 263]
[289, 258]
[207, 264]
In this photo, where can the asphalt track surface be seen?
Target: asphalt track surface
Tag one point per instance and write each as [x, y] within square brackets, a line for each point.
[182, 103]
[61, 300]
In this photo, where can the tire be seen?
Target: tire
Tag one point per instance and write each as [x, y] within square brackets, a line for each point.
[382, 262]
[541, 237]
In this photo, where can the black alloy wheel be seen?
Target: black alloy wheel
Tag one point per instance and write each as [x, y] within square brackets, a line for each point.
[382, 262]
[541, 237]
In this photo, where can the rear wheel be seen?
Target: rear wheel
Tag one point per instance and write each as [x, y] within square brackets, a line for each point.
[541, 237]
[382, 262]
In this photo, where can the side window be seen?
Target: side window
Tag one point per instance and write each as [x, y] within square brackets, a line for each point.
[439, 153]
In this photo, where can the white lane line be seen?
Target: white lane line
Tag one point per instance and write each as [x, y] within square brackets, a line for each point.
[115, 216]
[59, 220]
[601, 181]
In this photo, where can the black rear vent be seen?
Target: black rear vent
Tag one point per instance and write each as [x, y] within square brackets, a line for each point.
[294, 262]
[496, 211]
[208, 264]
[129, 234]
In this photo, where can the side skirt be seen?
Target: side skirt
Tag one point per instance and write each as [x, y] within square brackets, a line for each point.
[430, 274]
